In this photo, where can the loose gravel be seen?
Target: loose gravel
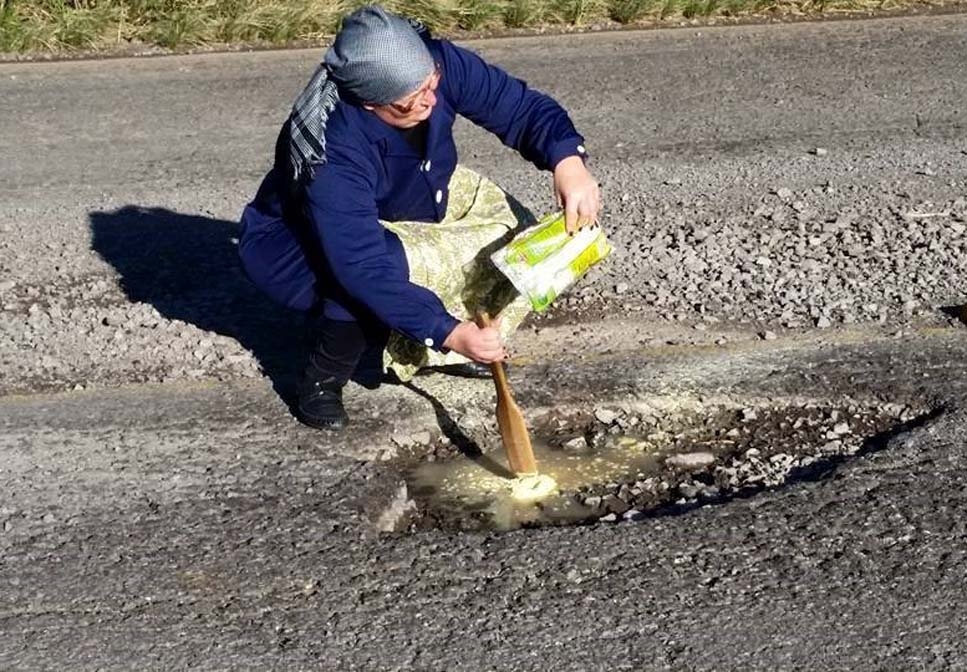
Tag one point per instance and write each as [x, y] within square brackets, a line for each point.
[817, 258]
[700, 454]
[812, 258]
[783, 198]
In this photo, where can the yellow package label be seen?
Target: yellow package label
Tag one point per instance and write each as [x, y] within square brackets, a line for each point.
[592, 255]
[544, 261]
[534, 246]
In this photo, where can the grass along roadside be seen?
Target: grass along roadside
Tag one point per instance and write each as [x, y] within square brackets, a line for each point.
[63, 27]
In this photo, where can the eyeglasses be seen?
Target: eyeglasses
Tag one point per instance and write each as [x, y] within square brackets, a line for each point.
[420, 94]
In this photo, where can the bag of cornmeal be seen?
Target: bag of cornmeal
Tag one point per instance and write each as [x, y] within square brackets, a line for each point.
[545, 260]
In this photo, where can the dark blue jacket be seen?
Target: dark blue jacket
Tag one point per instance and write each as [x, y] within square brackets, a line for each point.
[327, 231]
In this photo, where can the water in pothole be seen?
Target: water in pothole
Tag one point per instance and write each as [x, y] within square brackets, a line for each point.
[482, 488]
[635, 462]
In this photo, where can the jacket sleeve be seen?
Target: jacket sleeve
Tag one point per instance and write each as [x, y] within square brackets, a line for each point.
[529, 121]
[341, 205]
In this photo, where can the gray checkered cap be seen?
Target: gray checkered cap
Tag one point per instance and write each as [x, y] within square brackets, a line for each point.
[378, 57]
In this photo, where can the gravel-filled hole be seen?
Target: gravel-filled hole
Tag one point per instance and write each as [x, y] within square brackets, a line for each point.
[625, 465]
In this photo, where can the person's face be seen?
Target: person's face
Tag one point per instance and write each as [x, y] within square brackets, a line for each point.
[412, 108]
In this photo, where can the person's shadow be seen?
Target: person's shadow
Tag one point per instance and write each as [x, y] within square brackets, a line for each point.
[187, 267]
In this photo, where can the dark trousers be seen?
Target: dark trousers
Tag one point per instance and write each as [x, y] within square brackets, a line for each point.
[344, 350]
[291, 269]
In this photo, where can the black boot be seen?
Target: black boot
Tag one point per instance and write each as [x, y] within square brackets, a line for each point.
[320, 402]
[333, 359]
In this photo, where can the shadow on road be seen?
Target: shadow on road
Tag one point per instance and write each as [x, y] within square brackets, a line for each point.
[822, 469]
[187, 267]
[450, 429]
[958, 312]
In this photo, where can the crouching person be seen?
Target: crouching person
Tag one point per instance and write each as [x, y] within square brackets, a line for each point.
[367, 220]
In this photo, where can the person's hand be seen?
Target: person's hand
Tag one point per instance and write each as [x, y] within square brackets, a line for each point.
[577, 192]
[479, 344]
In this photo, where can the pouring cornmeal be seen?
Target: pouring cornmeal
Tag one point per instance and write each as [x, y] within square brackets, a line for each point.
[541, 263]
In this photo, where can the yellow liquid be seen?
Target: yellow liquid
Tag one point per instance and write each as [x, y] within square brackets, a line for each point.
[533, 488]
[485, 484]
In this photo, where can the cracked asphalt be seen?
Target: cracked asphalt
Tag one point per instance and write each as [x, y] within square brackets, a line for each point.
[160, 509]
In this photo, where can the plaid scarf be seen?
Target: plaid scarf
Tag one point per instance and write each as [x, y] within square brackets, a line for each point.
[307, 123]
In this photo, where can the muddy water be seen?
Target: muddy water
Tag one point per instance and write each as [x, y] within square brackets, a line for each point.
[480, 490]
[603, 472]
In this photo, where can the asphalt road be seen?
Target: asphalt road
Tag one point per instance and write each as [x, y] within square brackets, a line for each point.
[166, 515]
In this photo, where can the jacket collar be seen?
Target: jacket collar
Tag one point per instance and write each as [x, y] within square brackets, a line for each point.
[376, 130]
[372, 126]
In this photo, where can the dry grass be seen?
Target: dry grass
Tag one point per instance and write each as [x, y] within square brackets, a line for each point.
[104, 25]
[578, 12]
[72, 25]
[525, 13]
[629, 11]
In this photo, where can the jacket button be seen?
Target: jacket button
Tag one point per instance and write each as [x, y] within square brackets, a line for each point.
[428, 342]
[581, 149]
[426, 165]
[439, 196]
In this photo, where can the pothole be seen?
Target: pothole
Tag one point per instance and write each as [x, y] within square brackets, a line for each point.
[628, 464]
[957, 312]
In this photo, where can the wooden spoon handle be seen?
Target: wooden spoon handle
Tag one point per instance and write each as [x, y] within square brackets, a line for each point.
[496, 368]
[510, 420]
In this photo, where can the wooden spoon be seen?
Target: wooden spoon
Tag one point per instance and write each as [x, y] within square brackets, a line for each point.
[513, 430]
